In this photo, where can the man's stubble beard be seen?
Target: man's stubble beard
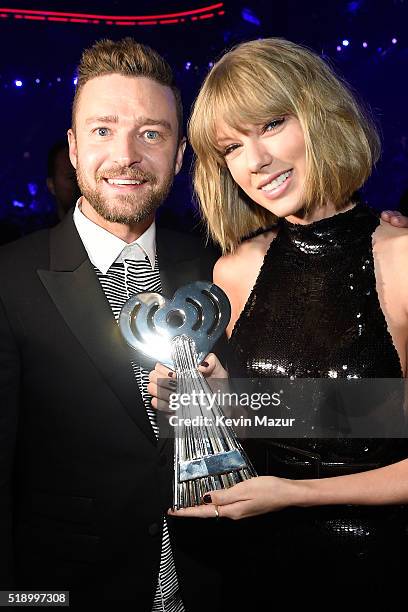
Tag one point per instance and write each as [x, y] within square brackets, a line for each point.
[127, 209]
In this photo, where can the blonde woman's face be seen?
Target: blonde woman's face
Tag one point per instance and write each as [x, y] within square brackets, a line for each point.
[268, 162]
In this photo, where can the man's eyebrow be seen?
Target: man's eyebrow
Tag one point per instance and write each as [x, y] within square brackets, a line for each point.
[139, 121]
[103, 119]
[150, 121]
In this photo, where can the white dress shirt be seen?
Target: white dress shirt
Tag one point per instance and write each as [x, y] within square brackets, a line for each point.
[104, 248]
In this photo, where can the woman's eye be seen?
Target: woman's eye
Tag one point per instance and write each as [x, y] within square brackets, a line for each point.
[103, 131]
[152, 135]
[273, 125]
[230, 148]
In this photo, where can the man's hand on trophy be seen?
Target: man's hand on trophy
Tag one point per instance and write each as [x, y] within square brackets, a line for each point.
[249, 498]
[163, 382]
[394, 217]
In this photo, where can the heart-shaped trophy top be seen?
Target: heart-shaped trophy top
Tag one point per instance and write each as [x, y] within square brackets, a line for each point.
[149, 322]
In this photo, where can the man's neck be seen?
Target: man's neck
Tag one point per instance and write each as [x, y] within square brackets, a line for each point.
[127, 233]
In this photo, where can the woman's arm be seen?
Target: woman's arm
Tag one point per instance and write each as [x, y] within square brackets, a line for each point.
[386, 485]
[382, 486]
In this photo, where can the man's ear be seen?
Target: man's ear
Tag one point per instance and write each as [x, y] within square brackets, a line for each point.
[180, 154]
[72, 147]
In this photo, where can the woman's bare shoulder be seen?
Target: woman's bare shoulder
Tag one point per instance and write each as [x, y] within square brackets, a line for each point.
[245, 258]
[237, 272]
[392, 241]
[390, 247]
[386, 231]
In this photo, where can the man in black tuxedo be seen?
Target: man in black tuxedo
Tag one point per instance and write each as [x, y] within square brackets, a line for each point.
[84, 481]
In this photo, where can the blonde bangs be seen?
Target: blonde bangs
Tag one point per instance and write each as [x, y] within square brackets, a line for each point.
[221, 100]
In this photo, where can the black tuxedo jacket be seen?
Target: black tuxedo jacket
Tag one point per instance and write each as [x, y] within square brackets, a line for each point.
[83, 481]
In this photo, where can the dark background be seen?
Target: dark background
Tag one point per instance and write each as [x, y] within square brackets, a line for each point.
[37, 114]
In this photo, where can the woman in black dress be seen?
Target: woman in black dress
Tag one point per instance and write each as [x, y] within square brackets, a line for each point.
[320, 291]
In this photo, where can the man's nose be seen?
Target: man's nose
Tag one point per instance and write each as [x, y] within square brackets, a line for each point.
[126, 150]
[258, 156]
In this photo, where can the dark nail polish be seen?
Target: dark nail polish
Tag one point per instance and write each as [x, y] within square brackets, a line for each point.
[205, 364]
[207, 498]
[171, 374]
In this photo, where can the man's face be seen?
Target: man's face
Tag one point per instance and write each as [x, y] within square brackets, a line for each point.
[125, 147]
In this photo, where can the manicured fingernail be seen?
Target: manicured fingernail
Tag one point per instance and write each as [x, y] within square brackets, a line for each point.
[207, 498]
[171, 374]
[205, 364]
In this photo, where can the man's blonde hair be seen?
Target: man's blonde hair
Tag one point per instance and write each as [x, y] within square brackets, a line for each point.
[128, 58]
[264, 79]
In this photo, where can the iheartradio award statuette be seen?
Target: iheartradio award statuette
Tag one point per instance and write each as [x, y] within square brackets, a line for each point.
[180, 333]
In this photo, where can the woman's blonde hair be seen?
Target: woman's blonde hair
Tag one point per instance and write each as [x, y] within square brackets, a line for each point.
[253, 83]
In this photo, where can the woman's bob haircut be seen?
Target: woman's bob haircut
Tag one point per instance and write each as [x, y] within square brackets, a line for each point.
[254, 83]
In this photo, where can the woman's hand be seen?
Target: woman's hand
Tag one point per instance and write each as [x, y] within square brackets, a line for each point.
[162, 383]
[249, 498]
[162, 380]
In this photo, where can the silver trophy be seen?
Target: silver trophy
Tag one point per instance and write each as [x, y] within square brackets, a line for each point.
[180, 333]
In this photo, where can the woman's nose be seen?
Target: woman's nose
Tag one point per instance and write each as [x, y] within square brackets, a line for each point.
[258, 156]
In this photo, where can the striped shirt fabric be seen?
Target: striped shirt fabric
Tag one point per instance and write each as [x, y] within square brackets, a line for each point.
[123, 279]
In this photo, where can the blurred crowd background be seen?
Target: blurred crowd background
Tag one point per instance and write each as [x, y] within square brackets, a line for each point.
[41, 43]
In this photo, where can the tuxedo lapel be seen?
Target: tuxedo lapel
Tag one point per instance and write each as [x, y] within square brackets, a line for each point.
[75, 290]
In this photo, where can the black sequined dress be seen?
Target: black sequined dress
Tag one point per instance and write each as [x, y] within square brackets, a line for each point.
[314, 312]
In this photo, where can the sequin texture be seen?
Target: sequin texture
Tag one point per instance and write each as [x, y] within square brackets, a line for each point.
[314, 312]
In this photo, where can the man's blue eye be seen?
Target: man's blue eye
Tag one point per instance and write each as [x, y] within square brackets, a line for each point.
[152, 135]
[103, 131]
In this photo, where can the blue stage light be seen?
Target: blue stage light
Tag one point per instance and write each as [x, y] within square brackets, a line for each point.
[32, 189]
[249, 15]
[353, 7]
